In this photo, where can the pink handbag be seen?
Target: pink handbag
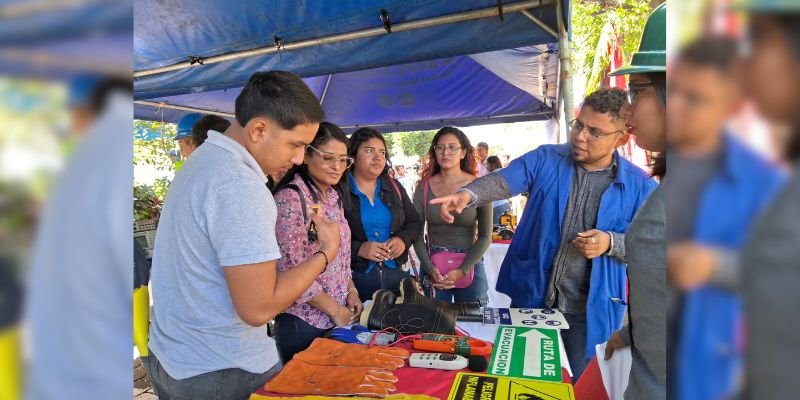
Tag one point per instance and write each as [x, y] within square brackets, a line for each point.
[445, 261]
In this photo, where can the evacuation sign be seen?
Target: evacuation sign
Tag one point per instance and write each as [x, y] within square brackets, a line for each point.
[531, 353]
[469, 386]
[525, 317]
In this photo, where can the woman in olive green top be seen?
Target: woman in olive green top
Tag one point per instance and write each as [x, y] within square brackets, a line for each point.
[449, 165]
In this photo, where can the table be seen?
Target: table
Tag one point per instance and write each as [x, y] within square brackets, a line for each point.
[437, 383]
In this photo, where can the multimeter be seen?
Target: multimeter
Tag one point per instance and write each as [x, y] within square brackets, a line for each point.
[463, 345]
[450, 362]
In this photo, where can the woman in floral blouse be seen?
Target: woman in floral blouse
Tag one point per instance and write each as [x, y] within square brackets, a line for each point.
[332, 299]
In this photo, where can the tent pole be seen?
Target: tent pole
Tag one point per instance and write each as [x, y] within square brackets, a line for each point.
[564, 50]
[539, 22]
[365, 33]
[325, 90]
[183, 108]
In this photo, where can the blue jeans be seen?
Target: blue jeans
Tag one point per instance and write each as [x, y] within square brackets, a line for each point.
[226, 384]
[478, 291]
[293, 335]
[378, 278]
[575, 343]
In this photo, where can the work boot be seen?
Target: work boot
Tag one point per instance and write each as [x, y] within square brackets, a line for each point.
[384, 296]
[466, 311]
[408, 318]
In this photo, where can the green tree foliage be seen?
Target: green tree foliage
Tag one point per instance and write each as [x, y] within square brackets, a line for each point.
[148, 199]
[154, 152]
[415, 143]
[591, 19]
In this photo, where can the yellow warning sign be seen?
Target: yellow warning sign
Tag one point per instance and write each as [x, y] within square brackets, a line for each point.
[468, 386]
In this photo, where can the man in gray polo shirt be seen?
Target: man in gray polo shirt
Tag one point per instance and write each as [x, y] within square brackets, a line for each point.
[214, 279]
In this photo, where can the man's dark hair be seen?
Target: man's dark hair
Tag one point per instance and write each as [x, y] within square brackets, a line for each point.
[717, 52]
[101, 93]
[482, 144]
[205, 124]
[607, 101]
[280, 96]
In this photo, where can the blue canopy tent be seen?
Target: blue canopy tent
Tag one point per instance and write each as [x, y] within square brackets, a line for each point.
[420, 65]
[59, 39]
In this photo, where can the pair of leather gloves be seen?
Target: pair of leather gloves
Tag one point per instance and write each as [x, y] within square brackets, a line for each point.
[329, 367]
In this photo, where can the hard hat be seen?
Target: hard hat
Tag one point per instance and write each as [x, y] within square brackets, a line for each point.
[81, 87]
[652, 53]
[185, 125]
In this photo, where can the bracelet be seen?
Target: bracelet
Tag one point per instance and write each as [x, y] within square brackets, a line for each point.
[324, 255]
[352, 289]
[611, 245]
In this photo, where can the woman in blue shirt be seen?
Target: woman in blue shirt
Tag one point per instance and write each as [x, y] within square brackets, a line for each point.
[382, 219]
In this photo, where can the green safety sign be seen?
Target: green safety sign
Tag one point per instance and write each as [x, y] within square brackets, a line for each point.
[531, 353]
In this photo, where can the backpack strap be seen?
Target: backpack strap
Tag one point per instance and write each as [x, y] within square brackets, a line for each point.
[397, 190]
[300, 195]
[425, 215]
[402, 205]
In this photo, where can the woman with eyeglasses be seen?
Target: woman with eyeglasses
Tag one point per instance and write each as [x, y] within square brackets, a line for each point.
[314, 186]
[382, 218]
[449, 165]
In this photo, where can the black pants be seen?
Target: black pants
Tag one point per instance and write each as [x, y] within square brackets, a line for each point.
[378, 278]
[293, 335]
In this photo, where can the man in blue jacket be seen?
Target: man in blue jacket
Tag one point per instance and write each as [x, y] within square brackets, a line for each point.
[568, 251]
[716, 188]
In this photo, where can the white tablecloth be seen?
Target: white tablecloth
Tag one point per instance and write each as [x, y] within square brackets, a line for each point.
[492, 260]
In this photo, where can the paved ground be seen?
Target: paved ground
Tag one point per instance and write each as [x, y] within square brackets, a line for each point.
[141, 384]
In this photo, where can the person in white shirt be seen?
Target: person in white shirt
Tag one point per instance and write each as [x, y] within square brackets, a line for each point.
[483, 154]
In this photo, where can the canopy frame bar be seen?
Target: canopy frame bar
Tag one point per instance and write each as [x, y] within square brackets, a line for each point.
[348, 36]
[163, 105]
[325, 90]
[477, 118]
[539, 22]
[183, 108]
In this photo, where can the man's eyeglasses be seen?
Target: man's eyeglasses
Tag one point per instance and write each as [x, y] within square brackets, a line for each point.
[634, 89]
[449, 149]
[577, 127]
[331, 159]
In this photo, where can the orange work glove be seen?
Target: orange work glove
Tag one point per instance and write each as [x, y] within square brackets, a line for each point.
[299, 377]
[398, 396]
[332, 352]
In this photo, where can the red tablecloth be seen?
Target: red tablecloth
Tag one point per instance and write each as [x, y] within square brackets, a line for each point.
[590, 385]
[432, 382]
